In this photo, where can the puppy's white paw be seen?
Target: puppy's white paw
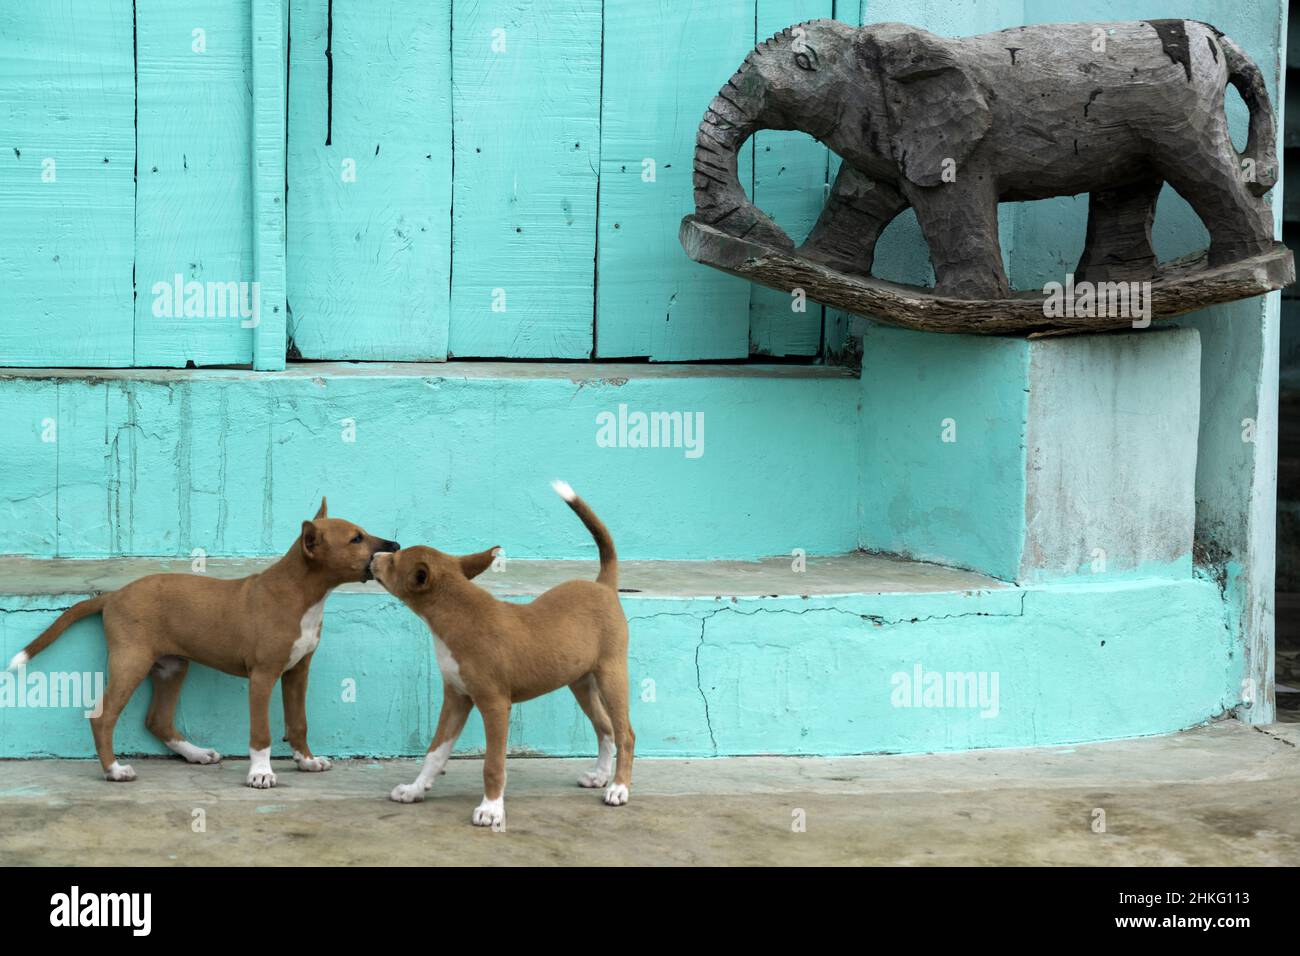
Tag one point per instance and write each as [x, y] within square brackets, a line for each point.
[616, 795]
[312, 764]
[407, 793]
[119, 773]
[193, 754]
[594, 778]
[260, 779]
[491, 813]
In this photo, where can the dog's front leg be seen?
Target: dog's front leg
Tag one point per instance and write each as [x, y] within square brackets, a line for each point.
[293, 688]
[496, 722]
[260, 685]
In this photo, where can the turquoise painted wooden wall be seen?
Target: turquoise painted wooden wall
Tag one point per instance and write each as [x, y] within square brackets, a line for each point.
[193, 206]
[493, 179]
[67, 193]
[369, 179]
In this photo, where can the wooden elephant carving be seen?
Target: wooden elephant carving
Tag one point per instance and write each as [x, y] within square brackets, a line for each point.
[953, 127]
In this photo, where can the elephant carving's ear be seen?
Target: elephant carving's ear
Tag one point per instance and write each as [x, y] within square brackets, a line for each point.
[938, 113]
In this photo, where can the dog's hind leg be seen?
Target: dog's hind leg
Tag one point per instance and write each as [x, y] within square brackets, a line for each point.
[451, 721]
[168, 675]
[126, 669]
[612, 683]
[589, 700]
[496, 721]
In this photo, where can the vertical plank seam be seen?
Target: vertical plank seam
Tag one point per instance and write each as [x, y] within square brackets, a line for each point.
[268, 174]
[288, 61]
[451, 185]
[329, 71]
[600, 154]
[819, 358]
[753, 197]
[135, 174]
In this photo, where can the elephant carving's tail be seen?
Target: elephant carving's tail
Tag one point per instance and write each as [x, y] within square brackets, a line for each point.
[1261, 143]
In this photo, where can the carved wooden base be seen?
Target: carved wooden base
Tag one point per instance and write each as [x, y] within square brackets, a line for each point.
[1180, 286]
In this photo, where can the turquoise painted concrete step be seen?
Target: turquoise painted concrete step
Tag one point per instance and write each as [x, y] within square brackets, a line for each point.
[681, 461]
[855, 654]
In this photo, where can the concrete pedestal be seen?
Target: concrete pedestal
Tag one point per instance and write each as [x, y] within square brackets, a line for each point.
[1032, 460]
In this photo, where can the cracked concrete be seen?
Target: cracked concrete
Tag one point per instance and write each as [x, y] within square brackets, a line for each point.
[699, 684]
[716, 674]
[1222, 794]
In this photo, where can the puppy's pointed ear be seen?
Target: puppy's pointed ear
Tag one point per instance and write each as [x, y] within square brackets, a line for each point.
[472, 565]
[322, 513]
[419, 578]
[309, 539]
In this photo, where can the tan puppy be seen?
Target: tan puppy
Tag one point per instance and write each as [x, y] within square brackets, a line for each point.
[263, 627]
[494, 653]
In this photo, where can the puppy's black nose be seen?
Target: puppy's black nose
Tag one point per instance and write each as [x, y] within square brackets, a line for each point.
[390, 546]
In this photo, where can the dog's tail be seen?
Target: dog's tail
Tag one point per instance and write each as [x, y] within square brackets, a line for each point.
[604, 543]
[69, 617]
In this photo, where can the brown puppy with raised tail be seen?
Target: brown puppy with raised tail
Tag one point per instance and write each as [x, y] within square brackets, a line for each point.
[264, 627]
[494, 653]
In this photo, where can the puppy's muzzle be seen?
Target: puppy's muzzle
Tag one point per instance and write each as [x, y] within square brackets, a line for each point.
[384, 546]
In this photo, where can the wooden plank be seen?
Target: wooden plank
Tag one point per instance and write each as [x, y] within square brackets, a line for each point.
[650, 299]
[790, 185]
[527, 114]
[269, 37]
[370, 158]
[194, 194]
[67, 193]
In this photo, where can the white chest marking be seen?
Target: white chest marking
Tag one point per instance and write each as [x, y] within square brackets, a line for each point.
[308, 634]
[447, 664]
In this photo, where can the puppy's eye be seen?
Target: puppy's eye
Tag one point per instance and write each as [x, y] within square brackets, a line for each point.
[357, 539]
[421, 576]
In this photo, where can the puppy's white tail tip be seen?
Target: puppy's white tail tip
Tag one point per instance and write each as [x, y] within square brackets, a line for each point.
[563, 489]
[19, 660]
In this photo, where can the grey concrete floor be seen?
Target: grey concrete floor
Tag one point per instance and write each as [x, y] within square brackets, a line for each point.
[1221, 794]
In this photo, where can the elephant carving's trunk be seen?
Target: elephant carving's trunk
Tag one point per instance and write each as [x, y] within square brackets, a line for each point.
[718, 190]
[735, 114]
[727, 124]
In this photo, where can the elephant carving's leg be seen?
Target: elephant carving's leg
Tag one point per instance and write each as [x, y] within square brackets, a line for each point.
[1118, 246]
[856, 213]
[1240, 223]
[960, 224]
